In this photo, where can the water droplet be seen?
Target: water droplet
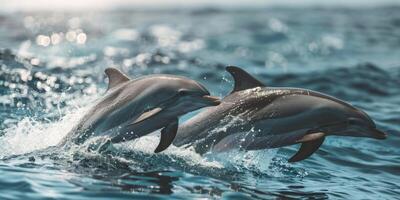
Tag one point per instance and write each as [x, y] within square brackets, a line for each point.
[81, 38]
[43, 40]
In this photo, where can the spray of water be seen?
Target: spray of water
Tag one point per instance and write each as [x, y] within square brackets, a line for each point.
[30, 134]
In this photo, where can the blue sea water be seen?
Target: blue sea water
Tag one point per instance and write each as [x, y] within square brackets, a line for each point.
[51, 71]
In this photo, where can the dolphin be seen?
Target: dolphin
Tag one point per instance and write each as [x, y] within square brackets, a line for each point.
[132, 108]
[254, 116]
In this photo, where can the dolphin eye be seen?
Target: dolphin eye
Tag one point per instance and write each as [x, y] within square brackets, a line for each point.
[351, 122]
[356, 122]
[183, 93]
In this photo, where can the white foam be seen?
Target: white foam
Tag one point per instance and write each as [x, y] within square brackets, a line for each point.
[147, 144]
[256, 161]
[30, 134]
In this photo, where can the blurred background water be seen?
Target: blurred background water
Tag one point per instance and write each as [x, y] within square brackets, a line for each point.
[51, 70]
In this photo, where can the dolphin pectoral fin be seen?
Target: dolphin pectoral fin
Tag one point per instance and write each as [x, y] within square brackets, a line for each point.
[168, 134]
[115, 77]
[242, 79]
[309, 144]
[147, 115]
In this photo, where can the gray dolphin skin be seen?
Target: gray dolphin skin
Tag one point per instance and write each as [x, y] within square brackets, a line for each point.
[133, 108]
[254, 116]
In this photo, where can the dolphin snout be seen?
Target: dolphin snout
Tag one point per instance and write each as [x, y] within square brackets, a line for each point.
[366, 128]
[377, 134]
[211, 100]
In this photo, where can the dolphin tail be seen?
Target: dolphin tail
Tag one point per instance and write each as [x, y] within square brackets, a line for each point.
[309, 144]
[168, 134]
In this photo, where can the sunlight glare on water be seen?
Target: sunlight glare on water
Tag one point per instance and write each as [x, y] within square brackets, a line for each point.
[52, 71]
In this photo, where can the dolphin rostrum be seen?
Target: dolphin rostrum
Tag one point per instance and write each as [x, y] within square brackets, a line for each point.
[133, 108]
[254, 116]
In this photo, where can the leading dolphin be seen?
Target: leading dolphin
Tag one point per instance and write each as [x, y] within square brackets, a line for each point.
[133, 108]
[254, 116]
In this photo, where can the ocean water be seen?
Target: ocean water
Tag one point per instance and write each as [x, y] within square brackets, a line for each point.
[51, 72]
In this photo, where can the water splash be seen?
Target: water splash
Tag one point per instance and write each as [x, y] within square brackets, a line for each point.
[255, 161]
[31, 134]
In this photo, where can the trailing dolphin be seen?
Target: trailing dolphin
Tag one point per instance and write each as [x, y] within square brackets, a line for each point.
[133, 108]
[254, 116]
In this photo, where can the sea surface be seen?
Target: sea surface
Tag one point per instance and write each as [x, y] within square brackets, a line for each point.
[52, 70]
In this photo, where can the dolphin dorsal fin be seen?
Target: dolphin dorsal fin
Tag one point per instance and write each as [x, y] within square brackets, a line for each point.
[115, 77]
[242, 79]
